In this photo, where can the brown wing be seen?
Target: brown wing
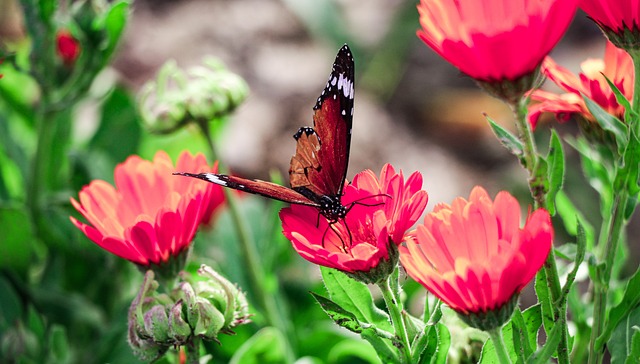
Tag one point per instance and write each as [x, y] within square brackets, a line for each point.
[305, 161]
[326, 170]
[255, 186]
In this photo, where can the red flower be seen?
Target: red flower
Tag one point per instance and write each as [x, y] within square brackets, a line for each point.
[151, 215]
[615, 15]
[371, 227]
[67, 47]
[617, 66]
[494, 40]
[473, 255]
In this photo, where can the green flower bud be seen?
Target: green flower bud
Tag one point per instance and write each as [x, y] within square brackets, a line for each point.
[209, 320]
[179, 329]
[156, 323]
[201, 94]
[226, 296]
[200, 307]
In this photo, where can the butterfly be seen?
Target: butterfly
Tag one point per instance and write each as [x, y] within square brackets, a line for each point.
[318, 168]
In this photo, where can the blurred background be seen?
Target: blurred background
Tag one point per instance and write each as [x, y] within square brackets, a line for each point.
[412, 109]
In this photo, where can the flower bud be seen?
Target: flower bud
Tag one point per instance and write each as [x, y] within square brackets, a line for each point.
[201, 94]
[156, 322]
[67, 47]
[202, 307]
[178, 328]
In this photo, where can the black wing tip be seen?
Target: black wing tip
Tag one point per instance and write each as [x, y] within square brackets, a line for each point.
[187, 174]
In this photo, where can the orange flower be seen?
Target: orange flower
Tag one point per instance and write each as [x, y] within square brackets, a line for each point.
[368, 236]
[151, 215]
[617, 66]
[473, 255]
[67, 47]
[494, 40]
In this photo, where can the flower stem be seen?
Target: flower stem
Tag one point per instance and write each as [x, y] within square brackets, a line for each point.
[498, 344]
[36, 182]
[538, 191]
[601, 285]
[635, 105]
[192, 351]
[395, 311]
[252, 263]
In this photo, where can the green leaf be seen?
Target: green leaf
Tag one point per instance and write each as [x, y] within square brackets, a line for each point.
[385, 350]
[634, 355]
[543, 355]
[47, 9]
[350, 351]
[266, 346]
[339, 315]
[438, 341]
[519, 335]
[544, 297]
[629, 174]
[508, 140]
[630, 300]
[59, 351]
[608, 122]
[620, 344]
[598, 167]
[16, 240]
[354, 297]
[581, 243]
[113, 23]
[444, 342]
[10, 305]
[571, 216]
[555, 172]
[630, 114]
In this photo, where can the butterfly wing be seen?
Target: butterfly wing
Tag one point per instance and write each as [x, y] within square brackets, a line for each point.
[255, 186]
[319, 166]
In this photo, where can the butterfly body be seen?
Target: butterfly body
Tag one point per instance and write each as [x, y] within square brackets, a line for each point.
[318, 169]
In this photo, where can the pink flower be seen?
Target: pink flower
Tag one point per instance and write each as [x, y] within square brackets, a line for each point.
[617, 66]
[615, 15]
[371, 226]
[151, 215]
[473, 255]
[494, 40]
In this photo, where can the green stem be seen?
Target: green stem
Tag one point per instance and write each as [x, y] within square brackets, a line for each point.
[192, 351]
[37, 181]
[498, 344]
[601, 284]
[395, 310]
[538, 191]
[635, 105]
[252, 262]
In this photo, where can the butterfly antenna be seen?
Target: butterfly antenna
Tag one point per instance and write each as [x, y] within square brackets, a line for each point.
[357, 202]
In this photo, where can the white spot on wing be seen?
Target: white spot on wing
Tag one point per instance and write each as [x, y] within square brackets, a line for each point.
[215, 179]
